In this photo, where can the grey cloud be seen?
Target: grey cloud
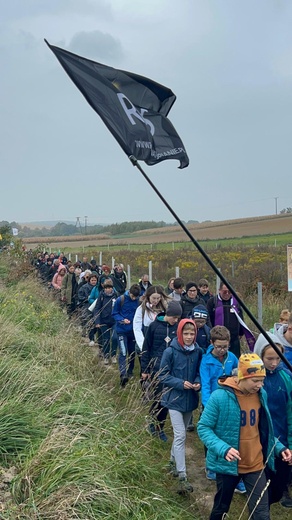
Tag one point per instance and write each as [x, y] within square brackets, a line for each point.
[96, 45]
[20, 9]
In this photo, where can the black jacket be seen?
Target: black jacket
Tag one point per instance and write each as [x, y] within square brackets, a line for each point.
[188, 304]
[103, 309]
[230, 320]
[158, 337]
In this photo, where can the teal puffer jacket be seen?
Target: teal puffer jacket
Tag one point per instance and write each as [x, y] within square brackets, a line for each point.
[219, 430]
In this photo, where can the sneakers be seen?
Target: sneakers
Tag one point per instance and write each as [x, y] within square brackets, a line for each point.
[240, 488]
[91, 343]
[210, 475]
[184, 486]
[162, 436]
[172, 468]
[151, 429]
[286, 501]
[106, 361]
[114, 360]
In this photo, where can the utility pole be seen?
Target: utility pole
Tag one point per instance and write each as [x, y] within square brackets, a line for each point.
[85, 221]
[276, 204]
[78, 224]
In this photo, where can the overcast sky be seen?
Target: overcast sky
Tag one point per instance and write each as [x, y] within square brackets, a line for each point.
[229, 62]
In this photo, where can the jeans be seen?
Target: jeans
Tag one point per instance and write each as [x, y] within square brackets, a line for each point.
[225, 489]
[157, 411]
[126, 342]
[108, 341]
[179, 422]
[279, 480]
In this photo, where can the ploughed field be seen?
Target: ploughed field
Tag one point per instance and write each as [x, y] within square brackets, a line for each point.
[266, 225]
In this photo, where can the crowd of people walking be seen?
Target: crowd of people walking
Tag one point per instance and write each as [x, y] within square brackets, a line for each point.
[190, 349]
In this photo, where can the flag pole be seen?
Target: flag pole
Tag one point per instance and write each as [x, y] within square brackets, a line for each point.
[135, 162]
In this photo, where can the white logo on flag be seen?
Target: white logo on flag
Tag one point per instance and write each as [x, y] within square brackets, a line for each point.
[132, 112]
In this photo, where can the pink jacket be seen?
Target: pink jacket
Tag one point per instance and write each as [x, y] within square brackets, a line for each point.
[58, 277]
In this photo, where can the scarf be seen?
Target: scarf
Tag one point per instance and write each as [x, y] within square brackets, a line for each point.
[219, 319]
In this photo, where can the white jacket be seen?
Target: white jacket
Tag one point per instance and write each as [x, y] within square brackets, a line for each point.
[139, 320]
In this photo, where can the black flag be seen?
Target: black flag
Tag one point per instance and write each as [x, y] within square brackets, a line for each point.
[134, 108]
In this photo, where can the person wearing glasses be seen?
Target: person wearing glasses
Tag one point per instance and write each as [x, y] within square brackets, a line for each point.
[217, 362]
[190, 299]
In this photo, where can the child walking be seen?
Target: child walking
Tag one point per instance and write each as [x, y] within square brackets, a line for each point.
[278, 385]
[217, 362]
[179, 372]
[237, 429]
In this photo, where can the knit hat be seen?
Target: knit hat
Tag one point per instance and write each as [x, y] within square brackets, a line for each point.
[191, 284]
[250, 365]
[261, 343]
[174, 309]
[200, 312]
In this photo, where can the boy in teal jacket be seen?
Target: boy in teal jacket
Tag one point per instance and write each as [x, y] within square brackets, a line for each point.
[237, 429]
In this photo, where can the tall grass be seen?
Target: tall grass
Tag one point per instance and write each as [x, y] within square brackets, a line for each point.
[77, 440]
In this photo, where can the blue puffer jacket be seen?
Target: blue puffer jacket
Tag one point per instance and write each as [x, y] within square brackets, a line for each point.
[179, 365]
[212, 368]
[219, 430]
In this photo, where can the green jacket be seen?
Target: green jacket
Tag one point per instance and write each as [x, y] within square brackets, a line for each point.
[68, 290]
[219, 430]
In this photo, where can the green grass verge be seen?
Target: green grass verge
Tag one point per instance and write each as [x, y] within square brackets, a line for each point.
[78, 441]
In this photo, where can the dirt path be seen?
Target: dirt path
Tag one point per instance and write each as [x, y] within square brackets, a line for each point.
[204, 489]
[6, 477]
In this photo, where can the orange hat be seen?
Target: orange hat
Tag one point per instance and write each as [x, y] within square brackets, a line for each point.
[250, 365]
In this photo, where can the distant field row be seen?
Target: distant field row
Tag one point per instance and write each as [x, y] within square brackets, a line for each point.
[269, 230]
[87, 244]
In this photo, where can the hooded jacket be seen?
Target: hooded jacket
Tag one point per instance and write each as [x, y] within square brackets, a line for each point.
[180, 364]
[58, 278]
[219, 429]
[287, 346]
[212, 368]
[278, 385]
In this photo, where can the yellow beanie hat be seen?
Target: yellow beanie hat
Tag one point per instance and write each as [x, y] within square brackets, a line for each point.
[250, 365]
